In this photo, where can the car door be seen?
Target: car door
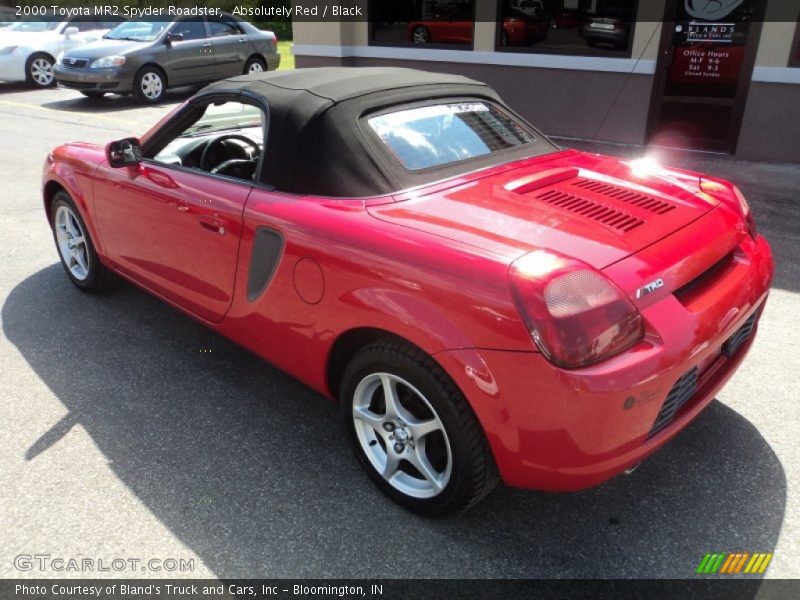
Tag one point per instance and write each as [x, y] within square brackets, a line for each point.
[230, 45]
[190, 59]
[175, 230]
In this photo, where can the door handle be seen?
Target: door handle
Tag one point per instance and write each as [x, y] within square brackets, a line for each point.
[242, 40]
[213, 226]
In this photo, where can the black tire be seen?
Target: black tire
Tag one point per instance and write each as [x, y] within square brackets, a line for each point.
[254, 60]
[94, 95]
[145, 75]
[98, 278]
[473, 473]
[33, 70]
[420, 35]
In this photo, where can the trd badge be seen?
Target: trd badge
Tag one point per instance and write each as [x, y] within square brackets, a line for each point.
[649, 288]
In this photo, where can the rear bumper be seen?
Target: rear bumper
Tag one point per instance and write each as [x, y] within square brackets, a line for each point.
[562, 430]
[94, 80]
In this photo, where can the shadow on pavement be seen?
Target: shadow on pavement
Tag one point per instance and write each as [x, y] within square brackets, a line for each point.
[7, 87]
[111, 103]
[250, 470]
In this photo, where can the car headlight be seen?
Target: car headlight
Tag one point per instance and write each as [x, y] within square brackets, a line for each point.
[7, 50]
[108, 61]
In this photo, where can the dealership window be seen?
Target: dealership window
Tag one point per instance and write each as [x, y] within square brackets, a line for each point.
[430, 23]
[575, 27]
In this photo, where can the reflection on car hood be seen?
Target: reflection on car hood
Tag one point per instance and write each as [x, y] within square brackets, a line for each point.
[585, 206]
[105, 47]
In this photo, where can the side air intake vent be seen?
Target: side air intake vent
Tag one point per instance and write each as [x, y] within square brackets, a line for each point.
[643, 201]
[679, 395]
[592, 210]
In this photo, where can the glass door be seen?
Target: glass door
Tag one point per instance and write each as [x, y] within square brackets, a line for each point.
[703, 73]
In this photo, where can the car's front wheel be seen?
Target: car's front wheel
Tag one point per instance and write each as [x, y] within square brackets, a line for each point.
[39, 70]
[149, 85]
[413, 431]
[75, 247]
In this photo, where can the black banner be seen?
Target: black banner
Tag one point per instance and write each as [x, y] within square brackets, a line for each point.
[348, 10]
[710, 588]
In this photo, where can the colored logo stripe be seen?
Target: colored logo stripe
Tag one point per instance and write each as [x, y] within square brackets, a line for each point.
[734, 563]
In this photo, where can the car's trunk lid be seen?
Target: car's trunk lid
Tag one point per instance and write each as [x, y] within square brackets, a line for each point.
[585, 206]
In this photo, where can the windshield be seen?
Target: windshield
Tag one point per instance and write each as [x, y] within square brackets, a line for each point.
[229, 115]
[137, 31]
[441, 134]
[34, 26]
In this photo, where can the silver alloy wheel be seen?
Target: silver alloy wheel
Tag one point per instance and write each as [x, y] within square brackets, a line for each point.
[72, 243]
[42, 71]
[152, 85]
[420, 35]
[397, 436]
[255, 68]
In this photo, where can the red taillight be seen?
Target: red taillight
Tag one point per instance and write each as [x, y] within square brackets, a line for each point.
[574, 314]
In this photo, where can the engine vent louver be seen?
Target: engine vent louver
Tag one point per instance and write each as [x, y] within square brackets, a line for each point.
[631, 197]
[587, 208]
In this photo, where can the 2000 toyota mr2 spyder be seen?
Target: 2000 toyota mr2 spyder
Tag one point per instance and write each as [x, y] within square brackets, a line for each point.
[483, 304]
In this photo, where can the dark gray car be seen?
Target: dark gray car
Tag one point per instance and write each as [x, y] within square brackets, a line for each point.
[146, 57]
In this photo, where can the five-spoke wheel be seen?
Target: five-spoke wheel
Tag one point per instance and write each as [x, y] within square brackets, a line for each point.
[71, 242]
[413, 431]
[401, 434]
[75, 246]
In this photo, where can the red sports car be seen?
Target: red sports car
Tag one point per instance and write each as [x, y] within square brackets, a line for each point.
[518, 29]
[483, 304]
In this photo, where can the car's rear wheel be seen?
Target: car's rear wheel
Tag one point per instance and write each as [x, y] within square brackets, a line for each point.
[75, 247]
[421, 35]
[254, 65]
[149, 85]
[413, 431]
[94, 95]
[39, 70]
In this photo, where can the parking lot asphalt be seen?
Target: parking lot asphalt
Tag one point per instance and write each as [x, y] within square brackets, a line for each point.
[130, 431]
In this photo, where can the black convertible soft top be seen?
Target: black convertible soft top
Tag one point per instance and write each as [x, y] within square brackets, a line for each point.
[315, 143]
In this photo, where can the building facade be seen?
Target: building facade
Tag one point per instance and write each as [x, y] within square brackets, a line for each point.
[715, 75]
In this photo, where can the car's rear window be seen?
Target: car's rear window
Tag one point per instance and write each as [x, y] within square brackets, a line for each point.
[442, 134]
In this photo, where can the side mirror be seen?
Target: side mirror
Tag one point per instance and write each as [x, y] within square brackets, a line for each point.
[70, 31]
[124, 153]
[174, 37]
